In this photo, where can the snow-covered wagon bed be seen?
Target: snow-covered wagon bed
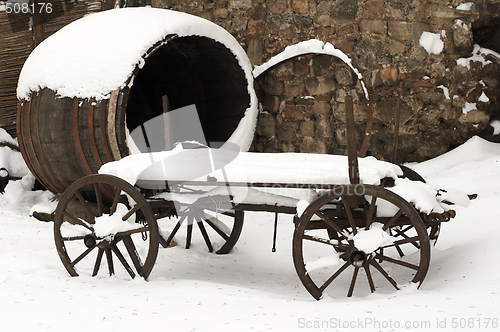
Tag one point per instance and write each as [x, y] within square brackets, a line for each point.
[358, 221]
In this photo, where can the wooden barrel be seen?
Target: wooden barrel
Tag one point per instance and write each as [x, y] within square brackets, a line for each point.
[64, 139]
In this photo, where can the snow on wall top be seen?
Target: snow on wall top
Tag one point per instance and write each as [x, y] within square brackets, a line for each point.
[95, 55]
[313, 46]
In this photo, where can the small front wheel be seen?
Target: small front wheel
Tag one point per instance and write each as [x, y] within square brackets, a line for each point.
[102, 218]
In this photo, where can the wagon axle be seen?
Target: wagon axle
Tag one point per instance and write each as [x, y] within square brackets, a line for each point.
[357, 258]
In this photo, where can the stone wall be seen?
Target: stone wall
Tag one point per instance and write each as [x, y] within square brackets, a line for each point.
[442, 102]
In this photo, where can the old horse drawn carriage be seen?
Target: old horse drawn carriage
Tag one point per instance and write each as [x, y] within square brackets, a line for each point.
[118, 113]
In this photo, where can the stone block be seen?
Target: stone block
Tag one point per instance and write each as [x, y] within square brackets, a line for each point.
[221, 13]
[341, 136]
[294, 88]
[302, 67]
[400, 30]
[239, 24]
[323, 19]
[474, 116]
[322, 108]
[293, 112]
[387, 77]
[373, 9]
[320, 65]
[271, 103]
[311, 145]
[287, 131]
[324, 127]
[346, 9]
[307, 128]
[266, 126]
[240, 4]
[300, 6]
[394, 47]
[385, 110]
[288, 147]
[345, 76]
[277, 6]
[377, 27]
[273, 86]
[319, 85]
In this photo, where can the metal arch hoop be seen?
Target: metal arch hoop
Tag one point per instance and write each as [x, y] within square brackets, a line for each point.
[369, 107]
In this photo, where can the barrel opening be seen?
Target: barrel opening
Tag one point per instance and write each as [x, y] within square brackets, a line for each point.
[191, 70]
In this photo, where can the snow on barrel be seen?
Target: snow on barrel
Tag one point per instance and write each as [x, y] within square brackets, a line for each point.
[86, 87]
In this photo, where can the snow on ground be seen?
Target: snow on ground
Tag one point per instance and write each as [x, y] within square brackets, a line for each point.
[253, 289]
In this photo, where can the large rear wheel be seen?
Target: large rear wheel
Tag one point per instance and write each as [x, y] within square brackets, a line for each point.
[357, 239]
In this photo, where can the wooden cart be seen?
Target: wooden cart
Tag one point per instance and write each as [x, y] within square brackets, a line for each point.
[332, 242]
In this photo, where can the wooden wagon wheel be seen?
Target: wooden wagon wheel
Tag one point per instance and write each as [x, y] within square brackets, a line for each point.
[360, 229]
[219, 228]
[102, 215]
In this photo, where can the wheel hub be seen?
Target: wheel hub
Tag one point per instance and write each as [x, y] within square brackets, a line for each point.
[358, 258]
[354, 256]
[90, 241]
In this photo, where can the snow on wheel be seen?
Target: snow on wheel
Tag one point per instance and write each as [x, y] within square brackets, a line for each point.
[102, 221]
[359, 239]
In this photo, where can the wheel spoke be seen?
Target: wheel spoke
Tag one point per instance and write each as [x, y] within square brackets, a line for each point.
[98, 195]
[334, 276]
[412, 239]
[408, 239]
[122, 260]
[109, 257]
[369, 277]
[353, 281]
[393, 219]
[205, 235]
[132, 231]
[330, 223]
[174, 231]
[132, 252]
[131, 212]
[336, 244]
[85, 205]
[371, 212]
[217, 229]
[74, 238]
[384, 273]
[348, 210]
[116, 199]
[76, 221]
[98, 260]
[189, 232]
[82, 256]
[395, 261]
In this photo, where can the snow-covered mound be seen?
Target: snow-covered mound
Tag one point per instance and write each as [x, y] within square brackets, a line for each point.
[475, 149]
[17, 194]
